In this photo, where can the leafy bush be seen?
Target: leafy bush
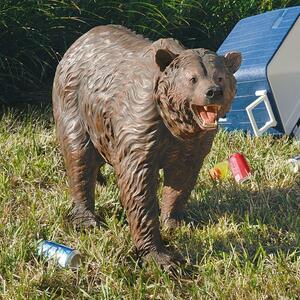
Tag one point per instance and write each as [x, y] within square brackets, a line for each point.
[34, 34]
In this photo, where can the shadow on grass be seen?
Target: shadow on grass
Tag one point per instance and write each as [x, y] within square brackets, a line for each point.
[268, 219]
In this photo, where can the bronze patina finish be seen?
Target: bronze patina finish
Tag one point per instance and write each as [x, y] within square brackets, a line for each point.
[139, 106]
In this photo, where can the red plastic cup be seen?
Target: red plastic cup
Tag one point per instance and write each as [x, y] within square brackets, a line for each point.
[239, 167]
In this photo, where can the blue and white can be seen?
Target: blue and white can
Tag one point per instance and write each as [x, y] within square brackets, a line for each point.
[64, 256]
[294, 164]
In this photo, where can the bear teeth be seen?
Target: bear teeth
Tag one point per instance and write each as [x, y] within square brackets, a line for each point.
[215, 108]
[207, 115]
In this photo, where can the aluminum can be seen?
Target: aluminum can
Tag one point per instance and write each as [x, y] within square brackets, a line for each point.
[64, 256]
[294, 164]
[220, 170]
[239, 167]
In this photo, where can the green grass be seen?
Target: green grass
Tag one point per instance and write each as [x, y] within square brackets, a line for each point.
[242, 240]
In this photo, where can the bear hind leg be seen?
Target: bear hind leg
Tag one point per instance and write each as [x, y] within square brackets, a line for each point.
[82, 163]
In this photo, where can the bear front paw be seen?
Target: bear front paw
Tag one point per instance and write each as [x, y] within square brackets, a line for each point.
[82, 218]
[171, 222]
[167, 260]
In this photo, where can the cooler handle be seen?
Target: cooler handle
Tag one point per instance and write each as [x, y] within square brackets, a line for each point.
[271, 123]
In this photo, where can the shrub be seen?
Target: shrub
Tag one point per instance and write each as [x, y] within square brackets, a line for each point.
[35, 34]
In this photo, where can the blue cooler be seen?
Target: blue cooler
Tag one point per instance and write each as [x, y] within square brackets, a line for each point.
[268, 81]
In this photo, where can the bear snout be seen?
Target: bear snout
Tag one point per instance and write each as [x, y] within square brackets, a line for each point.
[213, 93]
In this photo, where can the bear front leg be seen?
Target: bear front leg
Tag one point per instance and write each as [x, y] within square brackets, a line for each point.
[181, 170]
[138, 186]
[179, 180]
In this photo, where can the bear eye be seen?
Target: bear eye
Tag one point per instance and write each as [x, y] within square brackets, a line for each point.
[220, 79]
[193, 79]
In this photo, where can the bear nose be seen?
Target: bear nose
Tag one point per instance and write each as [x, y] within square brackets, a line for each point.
[214, 92]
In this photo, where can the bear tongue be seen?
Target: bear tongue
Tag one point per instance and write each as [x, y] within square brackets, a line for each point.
[208, 114]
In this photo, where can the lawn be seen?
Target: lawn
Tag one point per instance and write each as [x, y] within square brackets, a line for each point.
[241, 240]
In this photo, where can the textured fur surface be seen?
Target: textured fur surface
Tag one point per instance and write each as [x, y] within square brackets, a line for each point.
[120, 99]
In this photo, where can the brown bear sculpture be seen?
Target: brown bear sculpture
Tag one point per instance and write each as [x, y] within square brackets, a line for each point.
[139, 106]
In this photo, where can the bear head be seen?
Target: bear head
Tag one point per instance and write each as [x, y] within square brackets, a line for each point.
[194, 88]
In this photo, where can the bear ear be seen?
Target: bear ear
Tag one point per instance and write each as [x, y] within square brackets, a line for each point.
[163, 58]
[233, 61]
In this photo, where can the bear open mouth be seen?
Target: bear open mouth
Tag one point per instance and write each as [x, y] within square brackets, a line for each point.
[206, 115]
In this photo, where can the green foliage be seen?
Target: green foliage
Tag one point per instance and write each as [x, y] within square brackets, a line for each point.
[35, 34]
[242, 241]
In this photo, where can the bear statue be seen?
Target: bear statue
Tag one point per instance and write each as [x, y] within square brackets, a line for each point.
[139, 106]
